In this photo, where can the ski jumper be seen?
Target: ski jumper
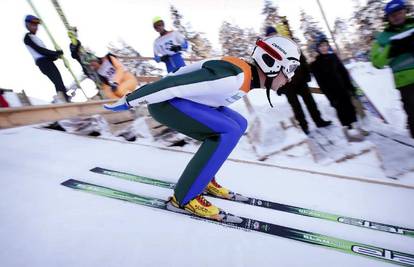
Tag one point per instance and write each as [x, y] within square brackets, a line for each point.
[162, 45]
[110, 71]
[44, 60]
[194, 101]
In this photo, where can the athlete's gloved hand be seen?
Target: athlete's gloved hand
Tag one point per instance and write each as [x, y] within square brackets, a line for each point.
[120, 105]
[175, 48]
[164, 58]
[114, 86]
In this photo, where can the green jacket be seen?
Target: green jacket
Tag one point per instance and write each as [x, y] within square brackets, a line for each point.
[402, 65]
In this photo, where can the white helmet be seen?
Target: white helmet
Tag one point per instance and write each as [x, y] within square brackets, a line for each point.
[275, 54]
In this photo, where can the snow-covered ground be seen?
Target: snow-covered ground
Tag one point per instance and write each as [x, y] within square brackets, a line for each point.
[45, 224]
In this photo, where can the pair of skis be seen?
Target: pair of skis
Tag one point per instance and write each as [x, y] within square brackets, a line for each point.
[249, 224]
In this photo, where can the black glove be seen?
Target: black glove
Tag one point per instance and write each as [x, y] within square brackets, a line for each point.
[164, 58]
[114, 86]
[56, 55]
[175, 48]
[59, 53]
[401, 46]
[74, 50]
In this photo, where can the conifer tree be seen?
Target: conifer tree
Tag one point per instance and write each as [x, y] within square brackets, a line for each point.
[271, 15]
[129, 57]
[200, 46]
[312, 33]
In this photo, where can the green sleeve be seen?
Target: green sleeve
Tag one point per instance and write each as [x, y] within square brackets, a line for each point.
[380, 55]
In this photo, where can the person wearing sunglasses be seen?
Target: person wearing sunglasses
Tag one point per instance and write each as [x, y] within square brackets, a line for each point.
[194, 101]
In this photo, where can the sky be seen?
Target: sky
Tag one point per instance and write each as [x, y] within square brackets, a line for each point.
[100, 22]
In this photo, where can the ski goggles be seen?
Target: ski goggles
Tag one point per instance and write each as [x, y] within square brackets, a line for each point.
[290, 67]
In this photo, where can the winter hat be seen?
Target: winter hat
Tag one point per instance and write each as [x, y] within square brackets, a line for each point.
[393, 6]
[270, 30]
[156, 19]
[319, 40]
[31, 19]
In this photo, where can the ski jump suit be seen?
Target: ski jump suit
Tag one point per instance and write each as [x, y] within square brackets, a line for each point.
[111, 70]
[162, 49]
[193, 101]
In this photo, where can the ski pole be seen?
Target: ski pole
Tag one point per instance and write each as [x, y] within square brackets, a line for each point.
[57, 47]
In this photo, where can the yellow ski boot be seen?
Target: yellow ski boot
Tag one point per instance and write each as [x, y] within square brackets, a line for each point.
[201, 207]
[214, 189]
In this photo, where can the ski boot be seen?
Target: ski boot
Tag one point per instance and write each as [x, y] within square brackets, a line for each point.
[214, 189]
[201, 207]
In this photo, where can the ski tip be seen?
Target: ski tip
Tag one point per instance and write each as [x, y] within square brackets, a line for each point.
[95, 169]
[68, 182]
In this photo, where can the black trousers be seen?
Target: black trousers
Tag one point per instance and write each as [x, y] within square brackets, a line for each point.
[341, 101]
[48, 68]
[304, 92]
[407, 97]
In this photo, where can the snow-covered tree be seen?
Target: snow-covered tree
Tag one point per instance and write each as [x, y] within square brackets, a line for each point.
[312, 33]
[271, 15]
[129, 57]
[368, 20]
[200, 45]
[236, 41]
[344, 38]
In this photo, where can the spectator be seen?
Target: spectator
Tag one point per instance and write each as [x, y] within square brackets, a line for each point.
[168, 46]
[335, 82]
[44, 57]
[395, 47]
[299, 86]
[116, 81]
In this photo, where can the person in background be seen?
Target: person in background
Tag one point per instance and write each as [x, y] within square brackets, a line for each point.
[44, 57]
[116, 80]
[299, 86]
[395, 47]
[168, 46]
[194, 101]
[334, 81]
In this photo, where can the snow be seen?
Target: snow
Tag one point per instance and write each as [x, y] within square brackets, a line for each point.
[377, 85]
[46, 224]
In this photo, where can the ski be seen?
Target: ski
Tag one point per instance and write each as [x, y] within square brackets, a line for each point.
[248, 224]
[271, 205]
[73, 36]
